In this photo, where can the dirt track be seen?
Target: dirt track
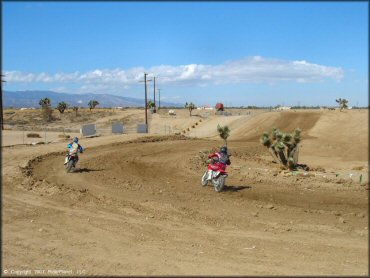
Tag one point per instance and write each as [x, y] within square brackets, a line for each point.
[138, 209]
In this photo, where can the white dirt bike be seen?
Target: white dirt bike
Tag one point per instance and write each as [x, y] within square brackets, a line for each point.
[216, 175]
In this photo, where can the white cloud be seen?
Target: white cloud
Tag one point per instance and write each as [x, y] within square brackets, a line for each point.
[247, 70]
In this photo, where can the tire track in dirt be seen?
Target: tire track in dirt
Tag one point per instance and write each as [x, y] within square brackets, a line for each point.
[153, 186]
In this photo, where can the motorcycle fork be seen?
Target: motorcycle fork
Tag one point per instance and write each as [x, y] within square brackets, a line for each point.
[213, 174]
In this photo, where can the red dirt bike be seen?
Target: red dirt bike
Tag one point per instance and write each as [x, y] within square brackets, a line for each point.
[216, 173]
[71, 162]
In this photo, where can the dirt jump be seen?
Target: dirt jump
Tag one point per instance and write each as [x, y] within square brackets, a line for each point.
[135, 204]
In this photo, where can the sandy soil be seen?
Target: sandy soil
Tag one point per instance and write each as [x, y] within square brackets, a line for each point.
[136, 207]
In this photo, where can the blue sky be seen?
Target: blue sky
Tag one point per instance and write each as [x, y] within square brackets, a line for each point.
[240, 53]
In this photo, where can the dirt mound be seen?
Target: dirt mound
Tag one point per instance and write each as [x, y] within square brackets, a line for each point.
[340, 135]
[329, 138]
[159, 139]
[286, 121]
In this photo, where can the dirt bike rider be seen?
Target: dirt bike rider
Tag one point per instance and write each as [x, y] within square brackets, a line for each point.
[74, 148]
[219, 160]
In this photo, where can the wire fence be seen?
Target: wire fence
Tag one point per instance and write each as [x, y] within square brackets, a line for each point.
[32, 135]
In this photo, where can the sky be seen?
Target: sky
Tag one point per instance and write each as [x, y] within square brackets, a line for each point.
[238, 53]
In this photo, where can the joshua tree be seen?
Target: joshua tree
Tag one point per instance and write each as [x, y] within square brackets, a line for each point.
[62, 106]
[75, 108]
[45, 104]
[151, 104]
[93, 104]
[342, 103]
[283, 146]
[190, 106]
[224, 132]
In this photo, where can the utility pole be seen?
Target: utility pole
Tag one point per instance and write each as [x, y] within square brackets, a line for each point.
[159, 96]
[155, 107]
[146, 100]
[1, 104]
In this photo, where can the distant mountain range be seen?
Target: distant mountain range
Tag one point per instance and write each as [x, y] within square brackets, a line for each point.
[29, 99]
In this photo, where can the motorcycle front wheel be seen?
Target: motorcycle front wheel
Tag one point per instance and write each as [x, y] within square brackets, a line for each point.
[219, 183]
[69, 166]
[204, 179]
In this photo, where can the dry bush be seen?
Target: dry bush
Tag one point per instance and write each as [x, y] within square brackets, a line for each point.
[33, 135]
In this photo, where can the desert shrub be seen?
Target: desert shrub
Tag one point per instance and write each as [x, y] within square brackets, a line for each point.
[47, 112]
[33, 135]
[75, 109]
[283, 147]
[342, 103]
[190, 106]
[62, 106]
[150, 104]
[223, 132]
[92, 104]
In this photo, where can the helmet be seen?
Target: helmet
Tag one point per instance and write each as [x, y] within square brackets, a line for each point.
[223, 149]
[75, 139]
